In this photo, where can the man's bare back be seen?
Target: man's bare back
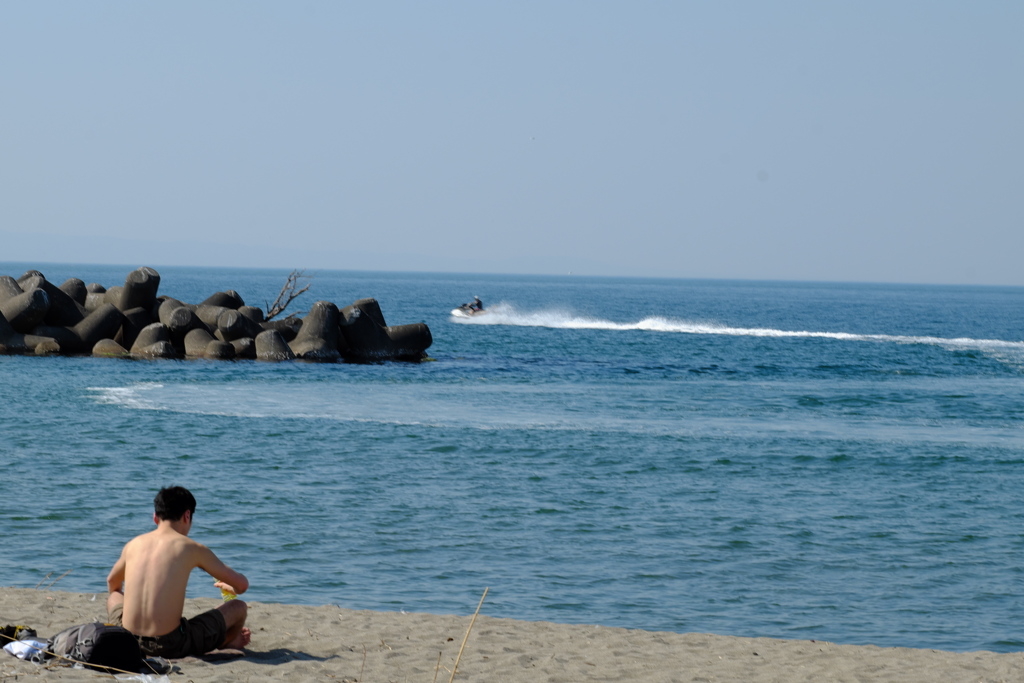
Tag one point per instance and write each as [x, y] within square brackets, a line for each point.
[148, 581]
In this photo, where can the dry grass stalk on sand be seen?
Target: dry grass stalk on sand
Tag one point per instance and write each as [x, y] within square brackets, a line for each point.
[463, 646]
[54, 581]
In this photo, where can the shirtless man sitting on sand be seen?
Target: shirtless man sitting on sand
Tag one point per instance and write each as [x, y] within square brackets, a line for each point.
[147, 586]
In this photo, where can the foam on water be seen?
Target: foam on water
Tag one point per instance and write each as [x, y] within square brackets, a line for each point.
[129, 396]
[532, 408]
[507, 314]
[517, 408]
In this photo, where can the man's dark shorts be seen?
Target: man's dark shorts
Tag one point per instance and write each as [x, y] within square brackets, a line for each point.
[194, 637]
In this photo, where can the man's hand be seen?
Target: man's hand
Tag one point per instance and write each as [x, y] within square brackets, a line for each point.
[225, 587]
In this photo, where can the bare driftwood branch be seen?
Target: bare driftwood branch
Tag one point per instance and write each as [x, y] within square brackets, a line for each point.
[292, 289]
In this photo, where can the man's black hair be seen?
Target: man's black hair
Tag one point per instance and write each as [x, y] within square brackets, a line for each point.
[172, 502]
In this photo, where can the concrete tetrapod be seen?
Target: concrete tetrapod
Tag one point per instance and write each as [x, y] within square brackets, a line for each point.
[367, 338]
[409, 342]
[63, 311]
[252, 313]
[103, 323]
[29, 275]
[228, 299]
[13, 341]
[113, 295]
[288, 327]
[27, 310]
[179, 320]
[135, 320]
[153, 342]
[110, 349]
[219, 350]
[245, 347]
[318, 337]
[196, 342]
[95, 296]
[209, 314]
[75, 289]
[139, 289]
[232, 325]
[199, 343]
[9, 287]
[165, 306]
[94, 300]
[270, 345]
[363, 333]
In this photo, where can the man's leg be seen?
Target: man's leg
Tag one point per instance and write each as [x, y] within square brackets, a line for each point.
[238, 636]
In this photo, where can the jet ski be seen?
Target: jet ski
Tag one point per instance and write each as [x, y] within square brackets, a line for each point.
[467, 310]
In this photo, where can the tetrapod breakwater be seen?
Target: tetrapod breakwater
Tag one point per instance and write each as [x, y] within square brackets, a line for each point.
[134, 321]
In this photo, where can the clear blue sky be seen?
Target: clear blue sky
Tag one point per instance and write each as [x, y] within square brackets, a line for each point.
[868, 141]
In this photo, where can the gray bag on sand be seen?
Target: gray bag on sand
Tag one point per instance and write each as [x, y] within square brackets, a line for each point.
[99, 646]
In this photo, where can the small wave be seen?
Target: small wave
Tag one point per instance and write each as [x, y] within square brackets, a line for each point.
[130, 396]
[507, 314]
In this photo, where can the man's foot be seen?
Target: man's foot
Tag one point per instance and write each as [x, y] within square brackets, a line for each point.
[239, 641]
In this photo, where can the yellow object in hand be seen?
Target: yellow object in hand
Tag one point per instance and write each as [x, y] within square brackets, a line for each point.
[227, 595]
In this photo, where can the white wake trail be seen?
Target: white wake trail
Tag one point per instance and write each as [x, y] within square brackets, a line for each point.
[506, 314]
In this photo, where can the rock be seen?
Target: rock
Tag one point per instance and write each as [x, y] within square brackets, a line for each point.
[13, 341]
[9, 287]
[139, 289]
[103, 323]
[244, 347]
[233, 325]
[196, 342]
[110, 349]
[135, 320]
[270, 345]
[153, 341]
[228, 299]
[63, 310]
[219, 350]
[318, 337]
[368, 339]
[75, 289]
[26, 310]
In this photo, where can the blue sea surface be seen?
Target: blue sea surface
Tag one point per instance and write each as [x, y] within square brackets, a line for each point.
[839, 462]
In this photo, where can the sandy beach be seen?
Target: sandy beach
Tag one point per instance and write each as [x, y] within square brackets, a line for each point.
[301, 643]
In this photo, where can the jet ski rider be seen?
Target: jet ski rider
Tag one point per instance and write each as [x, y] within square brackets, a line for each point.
[477, 305]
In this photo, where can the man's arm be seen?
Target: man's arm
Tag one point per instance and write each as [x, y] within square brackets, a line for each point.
[212, 565]
[115, 579]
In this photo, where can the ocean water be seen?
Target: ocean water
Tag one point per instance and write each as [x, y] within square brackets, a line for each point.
[837, 462]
